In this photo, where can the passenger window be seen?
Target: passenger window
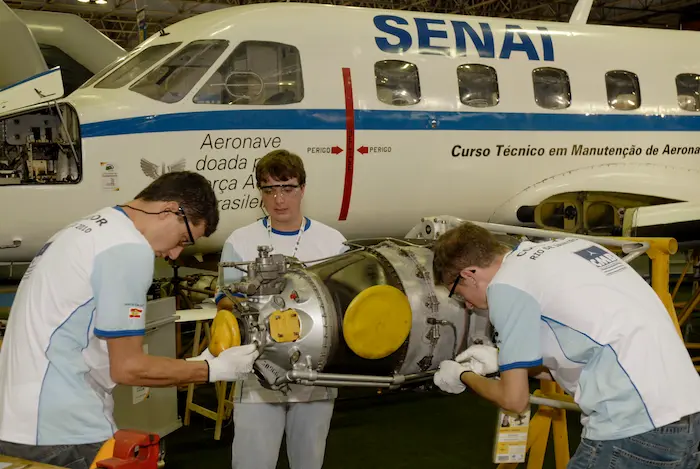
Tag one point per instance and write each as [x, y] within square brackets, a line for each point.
[478, 85]
[397, 82]
[688, 90]
[135, 66]
[623, 90]
[256, 73]
[552, 88]
[175, 78]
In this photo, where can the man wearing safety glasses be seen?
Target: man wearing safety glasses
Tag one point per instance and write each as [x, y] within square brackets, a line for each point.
[261, 416]
[77, 323]
[574, 308]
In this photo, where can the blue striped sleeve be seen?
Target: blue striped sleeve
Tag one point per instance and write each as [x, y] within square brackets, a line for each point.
[231, 274]
[120, 280]
[516, 316]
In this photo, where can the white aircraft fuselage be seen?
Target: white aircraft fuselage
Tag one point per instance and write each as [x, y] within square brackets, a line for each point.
[371, 100]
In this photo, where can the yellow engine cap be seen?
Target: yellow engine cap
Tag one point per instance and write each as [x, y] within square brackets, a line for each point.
[377, 322]
[225, 332]
[285, 326]
[106, 451]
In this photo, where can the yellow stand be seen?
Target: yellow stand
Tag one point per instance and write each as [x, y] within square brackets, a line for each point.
[660, 251]
[225, 405]
[546, 417]
[687, 308]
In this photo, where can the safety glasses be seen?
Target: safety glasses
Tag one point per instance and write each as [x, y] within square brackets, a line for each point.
[280, 189]
[456, 282]
[180, 213]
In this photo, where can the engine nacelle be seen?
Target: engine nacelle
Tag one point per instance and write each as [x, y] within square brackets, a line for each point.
[371, 316]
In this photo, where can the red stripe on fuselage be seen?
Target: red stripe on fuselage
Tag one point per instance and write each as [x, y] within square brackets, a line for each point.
[349, 144]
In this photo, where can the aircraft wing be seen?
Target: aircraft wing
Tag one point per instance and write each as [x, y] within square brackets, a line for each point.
[40, 88]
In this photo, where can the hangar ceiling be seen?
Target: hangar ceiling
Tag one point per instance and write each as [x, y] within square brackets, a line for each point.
[117, 18]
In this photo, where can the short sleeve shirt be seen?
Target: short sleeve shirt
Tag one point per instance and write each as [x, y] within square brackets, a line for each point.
[88, 283]
[578, 309]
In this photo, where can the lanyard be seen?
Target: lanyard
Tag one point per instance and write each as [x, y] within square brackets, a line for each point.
[301, 232]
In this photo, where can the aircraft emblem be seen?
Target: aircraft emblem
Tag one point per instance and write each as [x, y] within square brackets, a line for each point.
[153, 171]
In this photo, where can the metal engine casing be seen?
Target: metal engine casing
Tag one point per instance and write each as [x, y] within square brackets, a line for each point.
[320, 295]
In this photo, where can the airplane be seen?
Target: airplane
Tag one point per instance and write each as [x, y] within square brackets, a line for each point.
[396, 114]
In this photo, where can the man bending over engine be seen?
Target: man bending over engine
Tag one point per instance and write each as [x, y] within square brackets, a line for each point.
[575, 308]
[261, 416]
[77, 324]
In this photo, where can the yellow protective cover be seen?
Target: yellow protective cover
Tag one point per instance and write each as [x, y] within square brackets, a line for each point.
[285, 326]
[105, 452]
[224, 332]
[377, 322]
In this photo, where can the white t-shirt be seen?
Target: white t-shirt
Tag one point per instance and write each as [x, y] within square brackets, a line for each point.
[317, 241]
[87, 283]
[578, 309]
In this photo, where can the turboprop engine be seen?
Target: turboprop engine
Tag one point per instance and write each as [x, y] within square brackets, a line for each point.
[371, 316]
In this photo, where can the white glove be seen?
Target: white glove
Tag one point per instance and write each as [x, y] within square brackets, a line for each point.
[206, 355]
[233, 364]
[448, 376]
[483, 359]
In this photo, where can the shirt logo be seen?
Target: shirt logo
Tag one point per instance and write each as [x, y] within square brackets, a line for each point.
[605, 261]
[135, 312]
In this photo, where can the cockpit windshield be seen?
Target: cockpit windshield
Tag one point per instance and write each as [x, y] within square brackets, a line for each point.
[135, 66]
[256, 73]
[172, 80]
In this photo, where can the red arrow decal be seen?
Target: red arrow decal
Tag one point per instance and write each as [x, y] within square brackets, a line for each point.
[336, 150]
[363, 150]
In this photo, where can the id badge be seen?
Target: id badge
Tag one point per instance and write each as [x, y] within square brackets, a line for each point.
[511, 437]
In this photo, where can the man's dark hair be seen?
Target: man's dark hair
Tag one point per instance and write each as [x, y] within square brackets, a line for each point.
[192, 191]
[463, 246]
[281, 165]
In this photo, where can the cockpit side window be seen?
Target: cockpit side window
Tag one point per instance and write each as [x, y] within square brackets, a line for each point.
[256, 73]
[100, 75]
[171, 81]
[136, 65]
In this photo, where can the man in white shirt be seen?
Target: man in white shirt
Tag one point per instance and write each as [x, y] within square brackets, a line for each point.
[574, 308]
[77, 323]
[262, 416]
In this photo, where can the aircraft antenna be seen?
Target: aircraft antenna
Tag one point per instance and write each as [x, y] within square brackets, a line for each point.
[581, 12]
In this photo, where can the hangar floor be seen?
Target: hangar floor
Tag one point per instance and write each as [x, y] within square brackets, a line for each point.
[389, 431]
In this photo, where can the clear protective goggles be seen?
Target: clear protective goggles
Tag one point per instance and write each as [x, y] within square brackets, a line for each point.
[286, 190]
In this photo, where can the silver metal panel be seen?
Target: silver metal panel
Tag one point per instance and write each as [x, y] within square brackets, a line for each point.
[318, 325]
[157, 413]
[429, 344]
